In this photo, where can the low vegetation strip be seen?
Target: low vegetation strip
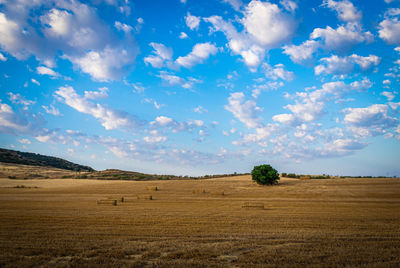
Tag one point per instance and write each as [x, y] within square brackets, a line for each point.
[255, 205]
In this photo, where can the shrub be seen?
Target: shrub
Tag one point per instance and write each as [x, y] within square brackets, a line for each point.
[292, 175]
[265, 174]
[284, 174]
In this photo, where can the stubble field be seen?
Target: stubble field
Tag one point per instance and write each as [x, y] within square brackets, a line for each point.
[190, 223]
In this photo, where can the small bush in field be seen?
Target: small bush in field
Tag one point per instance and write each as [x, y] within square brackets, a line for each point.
[265, 175]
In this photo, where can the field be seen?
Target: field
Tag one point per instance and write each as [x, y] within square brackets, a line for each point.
[197, 223]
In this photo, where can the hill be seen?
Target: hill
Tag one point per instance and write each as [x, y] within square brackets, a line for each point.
[32, 159]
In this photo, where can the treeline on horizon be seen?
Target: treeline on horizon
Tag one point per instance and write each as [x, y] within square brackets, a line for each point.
[33, 159]
[115, 174]
[324, 176]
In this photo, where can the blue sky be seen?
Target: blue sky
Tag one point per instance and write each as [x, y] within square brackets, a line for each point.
[204, 87]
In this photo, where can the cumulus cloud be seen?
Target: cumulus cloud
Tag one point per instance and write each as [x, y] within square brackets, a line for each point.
[266, 26]
[18, 99]
[289, 5]
[47, 71]
[388, 95]
[199, 53]
[2, 57]
[246, 111]
[192, 22]
[24, 141]
[109, 118]
[342, 38]
[259, 137]
[161, 55]
[373, 119]
[105, 65]
[302, 52]
[389, 31]
[10, 122]
[95, 95]
[174, 80]
[123, 27]
[346, 11]
[200, 110]
[51, 110]
[183, 35]
[277, 72]
[236, 4]
[167, 122]
[310, 105]
[70, 29]
[345, 65]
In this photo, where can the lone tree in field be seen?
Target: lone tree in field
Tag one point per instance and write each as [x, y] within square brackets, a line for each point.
[265, 174]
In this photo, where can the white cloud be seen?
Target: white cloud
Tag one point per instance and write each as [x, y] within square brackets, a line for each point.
[18, 99]
[388, 95]
[123, 27]
[11, 38]
[246, 112]
[183, 35]
[24, 141]
[369, 120]
[301, 52]
[199, 53]
[345, 65]
[109, 118]
[289, 5]
[236, 4]
[47, 71]
[155, 103]
[277, 72]
[389, 30]
[70, 29]
[51, 110]
[259, 137]
[342, 38]
[35, 82]
[192, 22]
[200, 109]
[161, 55]
[11, 122]
[311, 104]
[154, 139]
[267, 24]
[107, 64]
[95, 95]
[394, 105]
[167, 122]
[345, 9]
[2, 57]
[163, 121]
[173, 80]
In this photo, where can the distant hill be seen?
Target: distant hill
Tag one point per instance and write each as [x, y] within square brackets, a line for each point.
[32, 159]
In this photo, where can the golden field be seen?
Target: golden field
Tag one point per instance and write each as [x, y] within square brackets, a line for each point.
[196, 223]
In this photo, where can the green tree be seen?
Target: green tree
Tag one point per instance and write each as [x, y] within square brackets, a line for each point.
[265, 174]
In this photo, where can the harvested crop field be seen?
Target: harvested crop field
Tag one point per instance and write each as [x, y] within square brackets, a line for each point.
[190, 223]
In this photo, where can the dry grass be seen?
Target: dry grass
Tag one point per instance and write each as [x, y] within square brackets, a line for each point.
[199, 191]
[107, 202]
[152, 188]
[253, 205]
[334, 223]
[144, 197]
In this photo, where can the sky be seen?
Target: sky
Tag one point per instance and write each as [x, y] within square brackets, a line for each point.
[190, 87]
